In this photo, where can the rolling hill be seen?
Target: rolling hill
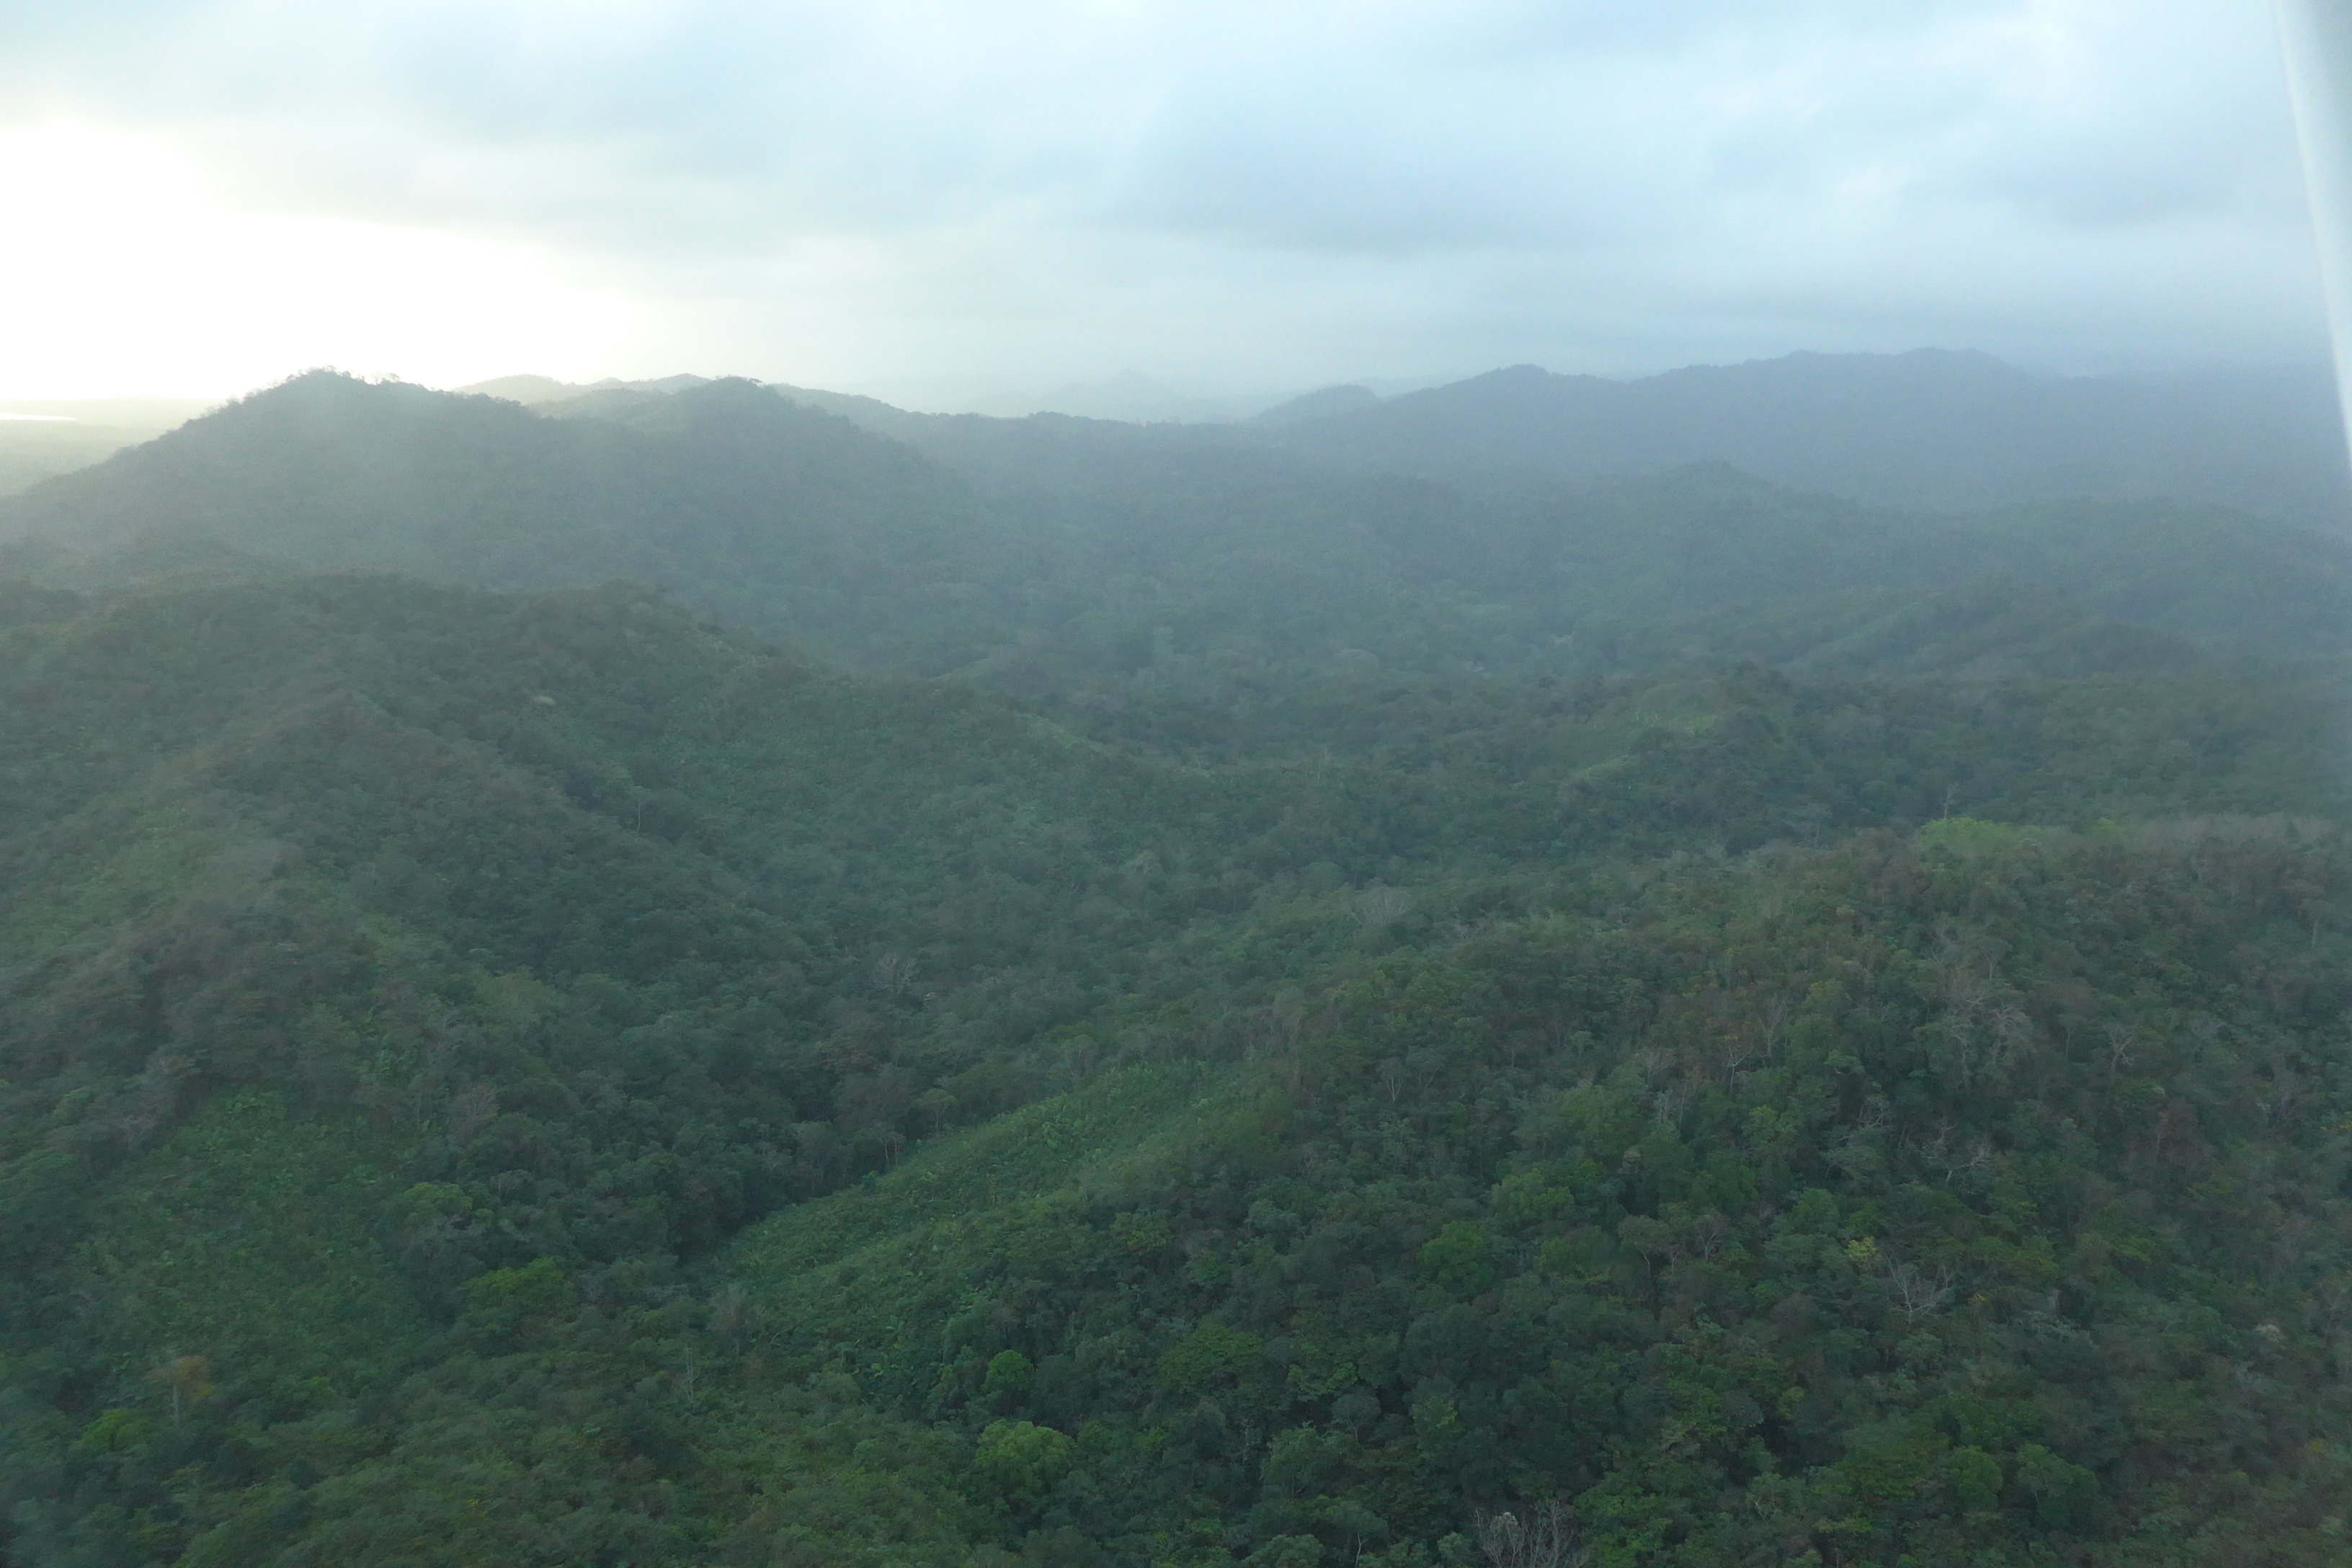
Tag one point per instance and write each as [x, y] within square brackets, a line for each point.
[540, 1078]
[1104, 558]
[694, 982]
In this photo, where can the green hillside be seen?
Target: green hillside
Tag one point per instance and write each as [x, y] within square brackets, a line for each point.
[543, 1078]
[1924, 1202]
[1090, 996]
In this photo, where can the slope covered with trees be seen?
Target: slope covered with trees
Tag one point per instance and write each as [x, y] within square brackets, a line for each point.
[1980, 1198]
[414, 993]
[1266, 1015]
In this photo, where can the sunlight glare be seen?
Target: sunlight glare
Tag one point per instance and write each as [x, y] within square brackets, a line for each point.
[136, 282]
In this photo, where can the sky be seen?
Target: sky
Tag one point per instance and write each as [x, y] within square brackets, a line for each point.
[937, 202]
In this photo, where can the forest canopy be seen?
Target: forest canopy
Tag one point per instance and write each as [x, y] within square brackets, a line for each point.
[699, 983]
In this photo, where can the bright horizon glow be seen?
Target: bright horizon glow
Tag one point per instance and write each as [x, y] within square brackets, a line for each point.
[140, 284]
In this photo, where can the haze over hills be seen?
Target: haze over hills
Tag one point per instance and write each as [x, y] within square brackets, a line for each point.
[539, 391]
[1047, 554]
[1128, 397]
[706, 974]
[1930, 429]
[327, 470]
[39, 439]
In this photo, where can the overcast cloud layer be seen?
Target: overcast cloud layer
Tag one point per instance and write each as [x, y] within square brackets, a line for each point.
[1259, 196]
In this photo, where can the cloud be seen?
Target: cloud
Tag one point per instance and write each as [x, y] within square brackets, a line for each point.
[1268, 193]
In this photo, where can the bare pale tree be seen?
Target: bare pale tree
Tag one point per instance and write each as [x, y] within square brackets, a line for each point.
[893, 974]
[1918, 1292]
[470, 1110]
[731, 1314]
[188, 1379]
[1545, 1536]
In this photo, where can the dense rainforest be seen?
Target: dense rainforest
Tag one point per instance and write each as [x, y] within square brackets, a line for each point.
[693, 982]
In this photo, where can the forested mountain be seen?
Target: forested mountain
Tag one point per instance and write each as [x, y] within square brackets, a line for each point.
[1930, 429]
[1052, 555]
[1093, 998]
[771, 514]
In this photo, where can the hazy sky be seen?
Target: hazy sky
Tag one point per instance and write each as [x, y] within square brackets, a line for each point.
[206, 195]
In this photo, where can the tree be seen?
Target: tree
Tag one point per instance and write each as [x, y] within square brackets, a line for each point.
[187, 1378]
[1544, 1538]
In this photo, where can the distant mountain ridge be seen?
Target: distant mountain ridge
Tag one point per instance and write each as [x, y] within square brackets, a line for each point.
[1128, 397]
[1056, 556]
[1930, 429]
[1324, 402]
[537, 391]
[1934, 428]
